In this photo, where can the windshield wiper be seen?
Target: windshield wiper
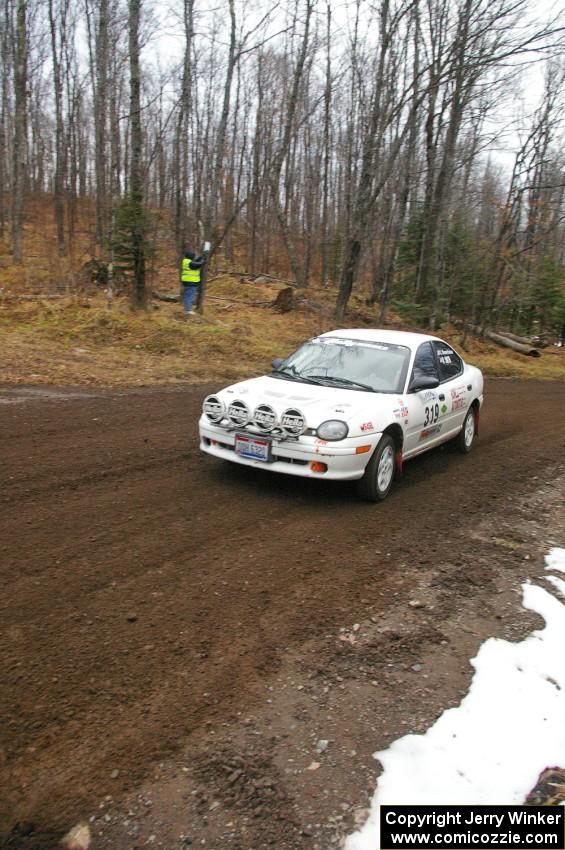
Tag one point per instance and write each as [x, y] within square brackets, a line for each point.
[333, 379]
[294, 375]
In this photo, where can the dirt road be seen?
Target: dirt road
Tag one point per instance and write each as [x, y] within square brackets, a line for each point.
[169, 622]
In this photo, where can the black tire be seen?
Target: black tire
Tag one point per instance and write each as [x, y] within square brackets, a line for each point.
[466, 435]
[379, 472]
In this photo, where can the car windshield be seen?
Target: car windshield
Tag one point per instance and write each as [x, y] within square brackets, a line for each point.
[350, 364]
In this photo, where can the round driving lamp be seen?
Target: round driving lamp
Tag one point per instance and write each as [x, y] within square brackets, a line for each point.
[213, 408]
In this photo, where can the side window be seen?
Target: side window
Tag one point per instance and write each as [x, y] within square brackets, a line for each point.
[450, 364]
[425, 362]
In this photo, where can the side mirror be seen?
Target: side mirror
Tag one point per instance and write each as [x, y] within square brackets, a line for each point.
[277, 362]
[423, 382]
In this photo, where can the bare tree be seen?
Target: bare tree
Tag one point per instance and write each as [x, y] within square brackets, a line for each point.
[182, 130]
[139, 291]
[6, 64]
[98, 24]
[378, 161]
[284, 146]
[326, 150]
[485, 34]
[353, 154]
[534, 202]
[20, 130]
[58, 32]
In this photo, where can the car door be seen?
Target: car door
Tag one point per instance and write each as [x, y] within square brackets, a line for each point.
[454, 391]
[425, 408]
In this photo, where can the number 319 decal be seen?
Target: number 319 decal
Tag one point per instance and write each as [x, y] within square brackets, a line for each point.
[432, 414]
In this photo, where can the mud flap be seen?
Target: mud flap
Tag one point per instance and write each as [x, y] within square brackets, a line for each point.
[398, 464]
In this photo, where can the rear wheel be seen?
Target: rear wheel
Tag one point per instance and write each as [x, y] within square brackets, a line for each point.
[467, 432]
[379, 474]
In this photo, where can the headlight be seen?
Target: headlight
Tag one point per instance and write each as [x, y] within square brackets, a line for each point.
[332, 429]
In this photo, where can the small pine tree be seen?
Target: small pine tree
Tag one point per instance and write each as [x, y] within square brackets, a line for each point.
[132, 223]
[547, 294]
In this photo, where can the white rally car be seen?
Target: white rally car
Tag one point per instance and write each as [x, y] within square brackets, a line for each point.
[349, 404]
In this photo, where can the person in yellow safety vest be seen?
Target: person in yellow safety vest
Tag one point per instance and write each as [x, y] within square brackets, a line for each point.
[190, 276]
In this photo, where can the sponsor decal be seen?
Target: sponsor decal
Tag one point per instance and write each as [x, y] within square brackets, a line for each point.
[367, 426]
[320, 442]
[444, 408]
[427, 396]
[458, 398]
[402, 411]
[429, 432]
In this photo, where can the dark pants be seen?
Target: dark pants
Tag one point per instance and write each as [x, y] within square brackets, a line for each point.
[189, 293]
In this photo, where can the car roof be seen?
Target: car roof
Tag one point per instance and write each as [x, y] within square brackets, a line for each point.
[408, 338]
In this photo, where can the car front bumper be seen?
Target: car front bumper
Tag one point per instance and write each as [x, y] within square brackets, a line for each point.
[305, 456]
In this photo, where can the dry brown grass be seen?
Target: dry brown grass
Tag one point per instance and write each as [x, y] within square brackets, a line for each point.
[72, 341]
[83, 341]
[80, 339]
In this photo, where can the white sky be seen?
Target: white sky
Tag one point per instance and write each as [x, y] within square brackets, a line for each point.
[507, 730]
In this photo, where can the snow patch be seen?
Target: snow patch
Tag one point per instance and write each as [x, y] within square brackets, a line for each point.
[509, 727]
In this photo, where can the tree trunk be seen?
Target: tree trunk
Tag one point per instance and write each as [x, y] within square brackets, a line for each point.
[285, 147]
[326, 150]
[182, 131]
[139, 291]
[6, 62]
[101, 123]
[20, 131]
[57, 28]
[255, 200]
[378, 159]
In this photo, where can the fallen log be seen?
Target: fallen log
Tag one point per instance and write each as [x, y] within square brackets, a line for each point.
[255, 277]
[161, 296]
[8, 296]
[528, 350]
[524, 340]
[499, 339]
[239, 301]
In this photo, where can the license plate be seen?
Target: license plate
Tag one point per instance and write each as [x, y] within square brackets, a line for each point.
[255, 448]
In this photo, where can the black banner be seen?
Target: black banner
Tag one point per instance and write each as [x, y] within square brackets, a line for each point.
[476, 827]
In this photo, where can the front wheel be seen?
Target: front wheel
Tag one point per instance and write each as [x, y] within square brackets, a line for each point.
[467, 432]
[379, 473]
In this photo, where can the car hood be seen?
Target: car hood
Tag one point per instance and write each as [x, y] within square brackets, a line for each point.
[317, 403]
